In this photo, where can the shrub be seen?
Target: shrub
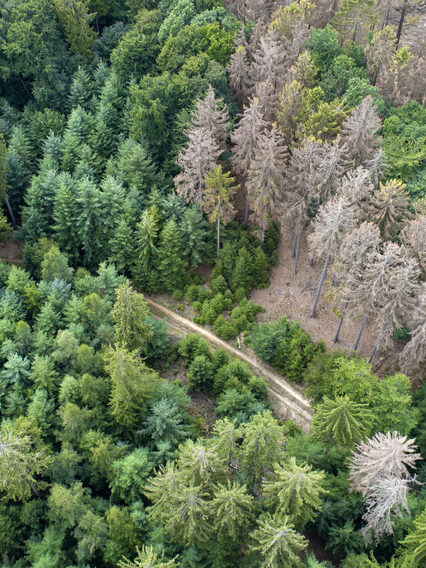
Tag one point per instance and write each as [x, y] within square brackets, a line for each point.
[200, 374]
[220, 358]
[218, 284]
[193, 345]
[5, 229]
[224, 329]
[158, 346]
[240, 294]
[177, 295]
[234, 369]
[258, 387]
[193, 292]
[231, 401]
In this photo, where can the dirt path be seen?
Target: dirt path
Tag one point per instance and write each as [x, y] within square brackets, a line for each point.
[287, 400]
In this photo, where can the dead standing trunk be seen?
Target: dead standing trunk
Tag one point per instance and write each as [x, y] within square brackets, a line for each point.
[364, 321]
[324, 272]
[339, 327]
[12, 216]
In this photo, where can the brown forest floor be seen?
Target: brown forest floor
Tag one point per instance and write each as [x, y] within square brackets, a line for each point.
[292, 295]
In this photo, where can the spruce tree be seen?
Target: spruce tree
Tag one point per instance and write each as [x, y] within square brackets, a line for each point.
[171, 261]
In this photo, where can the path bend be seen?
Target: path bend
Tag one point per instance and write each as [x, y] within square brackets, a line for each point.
[288, 402]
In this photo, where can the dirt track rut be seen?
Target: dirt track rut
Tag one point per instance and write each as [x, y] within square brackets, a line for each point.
[287, 401]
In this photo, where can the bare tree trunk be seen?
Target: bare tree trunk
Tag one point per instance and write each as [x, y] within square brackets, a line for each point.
[324, 272]
[364, 321]
[293, 248]
[339, 327]
[12, 216]
[401, 22]
[299, 236]
[373, 352]
[311, 261]
[34, 490]
[218, 236]
[246, 211]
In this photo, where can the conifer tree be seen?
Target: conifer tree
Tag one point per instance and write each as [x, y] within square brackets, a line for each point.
[65, 218]
[122, 246]
[413, 237]
[89, 221]
[22, 459]
[147, 558]
[414, 544]
[266, 177]
[245, 139]
[194, 235]
[335, 218]
[277, 543]
[329, 166]
[75, 19]
[196, 160]
[290, 103]
[171, 261]
[389, 208]
[414, 353]
[341, 421]
[146, 237]
[211, 114]
[81, 90]
[132, 332]
[359, 132]
[132, 385]
[231, 509]
[295, 491]
[238, 69]
[219, 192]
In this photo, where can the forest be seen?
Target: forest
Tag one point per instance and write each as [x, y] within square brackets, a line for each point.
[168, 150]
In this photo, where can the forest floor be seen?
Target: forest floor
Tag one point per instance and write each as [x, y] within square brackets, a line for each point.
[292, 295]
[11, 251]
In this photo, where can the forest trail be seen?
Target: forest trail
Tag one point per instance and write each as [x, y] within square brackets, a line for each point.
[288, 402]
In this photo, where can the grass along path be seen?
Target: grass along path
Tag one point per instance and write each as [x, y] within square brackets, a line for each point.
[287, 400]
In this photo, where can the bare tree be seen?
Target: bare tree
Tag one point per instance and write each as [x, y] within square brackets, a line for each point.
[383, 455]
[369, 287]
[245, 138]
[388, 497]
[398, 300]
[379, 52]
[238, 69]
[359, 131]
[329, 166]
[388, 207]
[333, 220]
[380, 471]
[376, 166]
[413, 237]
[196, 159]
[301, 184]
[211, 114]
[414, 353]
[351, 259]
[265, 181]
[356, 185]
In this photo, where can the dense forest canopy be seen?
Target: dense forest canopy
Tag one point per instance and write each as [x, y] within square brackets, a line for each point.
[166, 147]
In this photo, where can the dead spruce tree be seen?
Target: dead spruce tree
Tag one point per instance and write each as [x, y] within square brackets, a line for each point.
[356, 186]
[195, 160]
[265, 182]
[380, 471]
[398, 300]
[211, 114]
[376, 166]
[269, 66]
[239, 75]
[359, 132]
[413, 236]
[388, 207]
[334, 219]
[301, 187]
[245, 138]
[330, 165]
[351, 259]
[414, 353]
[368, 288]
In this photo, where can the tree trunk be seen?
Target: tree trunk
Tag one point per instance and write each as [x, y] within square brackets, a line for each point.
[373, 352]
[324, 272]
[34, 489]
[246, 211]
[299, 236]
[311, 261]
[401, 22]
[364, 321]
[293, 248]
[339, 327]
[218, 236]
[12, 216]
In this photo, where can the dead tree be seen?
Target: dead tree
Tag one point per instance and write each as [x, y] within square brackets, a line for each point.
[359, 132]
[388, 207]
[334, 219]
[211, 114]
[414, 353]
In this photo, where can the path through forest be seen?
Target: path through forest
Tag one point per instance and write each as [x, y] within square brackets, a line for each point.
[287, 400]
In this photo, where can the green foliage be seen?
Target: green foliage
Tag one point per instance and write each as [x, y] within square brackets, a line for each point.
[200, 374]
[129, 473]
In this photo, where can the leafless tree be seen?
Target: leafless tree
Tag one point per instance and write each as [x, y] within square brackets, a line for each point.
[330, 165]
[359, 132]
[382, 455]
[356, 185]
[245, 138]
[388, 207]
[376, 166]
[413, 237]
[369, 288]
[335, 218]
[398, 300]
[211, 114]
[265, 183]
[414, 353]
[351, 259]
[238, 69]
[195, 160]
